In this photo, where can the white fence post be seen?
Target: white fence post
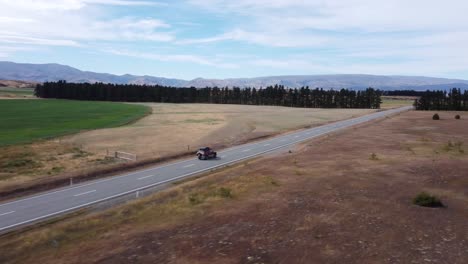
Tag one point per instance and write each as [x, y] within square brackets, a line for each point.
[125, 156]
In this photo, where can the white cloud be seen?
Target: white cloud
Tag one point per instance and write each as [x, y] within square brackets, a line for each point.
[69, 22]
[124, 3]
[7, 51]
[302, 36]
[172, 58]
[36, 41]
[296, 19]
[368, 15]
[274, 39]
[42, 5]
[367, 36]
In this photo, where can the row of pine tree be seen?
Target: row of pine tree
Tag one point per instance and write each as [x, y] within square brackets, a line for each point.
[453, 100]
[277, 95]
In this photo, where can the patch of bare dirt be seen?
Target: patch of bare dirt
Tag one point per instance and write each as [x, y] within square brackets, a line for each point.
[17, 84]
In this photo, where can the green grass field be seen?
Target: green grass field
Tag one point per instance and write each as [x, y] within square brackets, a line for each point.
[23, 121]
[396, 101]
[16, 92]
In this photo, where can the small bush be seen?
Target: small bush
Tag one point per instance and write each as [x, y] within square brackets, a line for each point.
[456, 146]
[22, 163]
[51, 159]
[427, 200]
[18, 163]
[57, 169]
[457, 117]
[273, 181]
[194, 199]
[106, 160]
[435, 117]
[373, 156]
[225, 192]
[78, 153]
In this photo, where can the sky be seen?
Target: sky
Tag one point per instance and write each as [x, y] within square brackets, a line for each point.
[187, 39]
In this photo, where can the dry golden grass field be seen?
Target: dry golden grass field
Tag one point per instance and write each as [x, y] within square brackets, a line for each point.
[173, 127]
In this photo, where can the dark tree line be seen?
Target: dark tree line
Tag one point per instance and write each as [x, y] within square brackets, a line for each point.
[277, 95]
[403, 93]
[443, 100]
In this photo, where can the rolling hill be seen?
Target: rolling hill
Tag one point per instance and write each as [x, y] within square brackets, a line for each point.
[55, 72]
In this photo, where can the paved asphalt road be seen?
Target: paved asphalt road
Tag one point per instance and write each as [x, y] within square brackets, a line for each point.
[39, 207]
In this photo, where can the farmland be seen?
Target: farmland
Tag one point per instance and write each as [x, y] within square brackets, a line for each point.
[173, 128]
[396, 101]
[14, 93]
[23, 121]
[170, 130]
[285, 208]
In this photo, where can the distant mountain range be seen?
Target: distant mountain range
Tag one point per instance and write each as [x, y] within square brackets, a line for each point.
[56, 72]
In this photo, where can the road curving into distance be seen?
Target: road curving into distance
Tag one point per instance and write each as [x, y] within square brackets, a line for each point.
[43, 206]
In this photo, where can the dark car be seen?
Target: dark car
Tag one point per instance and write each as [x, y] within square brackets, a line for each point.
[206, 153]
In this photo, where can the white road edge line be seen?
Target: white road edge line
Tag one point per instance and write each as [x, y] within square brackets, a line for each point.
[76, 195]
[146, 177]
[266, 145]
[7, 213]
[188, 166]
[245, 150]
[91, 183]
[162, 182]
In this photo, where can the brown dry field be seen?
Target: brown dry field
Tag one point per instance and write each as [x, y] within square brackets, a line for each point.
[326, 202]
[173, 127]
[168, 131]
[17, 84]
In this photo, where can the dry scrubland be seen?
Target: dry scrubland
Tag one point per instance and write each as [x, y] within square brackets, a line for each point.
[168, 131]
[346, 198]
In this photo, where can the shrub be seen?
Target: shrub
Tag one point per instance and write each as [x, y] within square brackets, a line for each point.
[435, 117]
[194, 199]
[21, 163]
[273, 181]
[57, 169]
[18, 163]
[457, 117]
[454, 146]
[78, 153]
[427, 200]
[373, 156]
[225, 192]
